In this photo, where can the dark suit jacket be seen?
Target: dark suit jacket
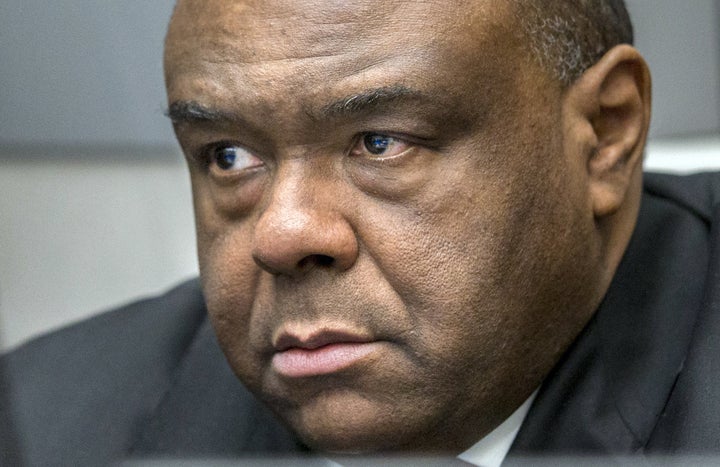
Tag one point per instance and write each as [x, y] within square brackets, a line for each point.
[149, 378]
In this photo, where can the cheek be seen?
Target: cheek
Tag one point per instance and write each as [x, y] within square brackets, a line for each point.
[224, 246]
[474, 258]
[444, 258]
[230, 281]
[443, 249]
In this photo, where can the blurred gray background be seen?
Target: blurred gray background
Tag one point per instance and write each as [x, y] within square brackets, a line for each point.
[95, 203]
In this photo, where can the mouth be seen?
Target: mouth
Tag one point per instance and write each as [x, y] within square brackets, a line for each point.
[319, 353]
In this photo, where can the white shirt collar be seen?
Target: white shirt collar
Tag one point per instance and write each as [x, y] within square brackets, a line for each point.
[493, 448]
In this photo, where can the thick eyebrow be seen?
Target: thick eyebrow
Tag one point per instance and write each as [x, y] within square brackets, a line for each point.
[363, 102]
[367, 101]
[194, 112]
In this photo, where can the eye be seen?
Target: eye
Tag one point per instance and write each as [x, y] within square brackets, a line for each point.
[378, 144]
[233, 158]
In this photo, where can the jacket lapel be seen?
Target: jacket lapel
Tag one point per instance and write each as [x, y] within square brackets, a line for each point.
[691, 422]
[607, 394]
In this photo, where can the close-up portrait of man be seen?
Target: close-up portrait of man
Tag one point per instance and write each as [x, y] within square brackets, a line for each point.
[423, 229]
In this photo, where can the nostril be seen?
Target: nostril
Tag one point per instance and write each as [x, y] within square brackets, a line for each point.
[316, 260]
[324, 260]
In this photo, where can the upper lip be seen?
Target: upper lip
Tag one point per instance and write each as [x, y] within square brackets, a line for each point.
[319, 338]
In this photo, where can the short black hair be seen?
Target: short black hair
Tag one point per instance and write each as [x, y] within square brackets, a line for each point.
[569, 36]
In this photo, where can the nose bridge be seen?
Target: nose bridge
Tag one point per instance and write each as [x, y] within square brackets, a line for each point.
[303, 224]
[294, 194]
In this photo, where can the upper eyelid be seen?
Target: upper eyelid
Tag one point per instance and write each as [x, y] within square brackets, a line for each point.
[206, 151]
[212, 165]
[406, 138]
[360, 152]
[398, 138]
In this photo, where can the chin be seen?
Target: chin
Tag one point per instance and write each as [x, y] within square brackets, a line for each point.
[351, 425]
[343, 441]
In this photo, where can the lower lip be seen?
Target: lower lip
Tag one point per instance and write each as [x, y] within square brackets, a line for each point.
[299, 363]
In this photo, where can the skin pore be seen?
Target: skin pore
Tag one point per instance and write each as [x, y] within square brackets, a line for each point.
[402, 173]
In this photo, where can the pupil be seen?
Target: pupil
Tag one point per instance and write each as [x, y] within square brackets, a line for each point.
[226, 158]
[377, 144]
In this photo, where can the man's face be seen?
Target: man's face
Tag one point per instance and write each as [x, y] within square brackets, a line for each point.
[395, 241]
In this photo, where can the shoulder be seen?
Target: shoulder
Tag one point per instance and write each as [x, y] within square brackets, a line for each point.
[698, 193]
[156, 324]
[690, 421]
[91, 382]
[643, 376]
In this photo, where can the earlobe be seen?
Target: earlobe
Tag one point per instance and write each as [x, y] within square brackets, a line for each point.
[614, 98]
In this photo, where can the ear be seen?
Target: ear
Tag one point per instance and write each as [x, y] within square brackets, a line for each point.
[608, 110]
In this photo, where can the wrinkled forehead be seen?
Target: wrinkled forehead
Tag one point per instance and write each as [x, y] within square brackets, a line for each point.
[285, 60]
[247, 31]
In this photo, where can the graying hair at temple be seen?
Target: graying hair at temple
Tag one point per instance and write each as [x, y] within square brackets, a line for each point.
[569, 36]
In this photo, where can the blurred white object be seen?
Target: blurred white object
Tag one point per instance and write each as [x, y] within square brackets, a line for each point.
[683, 155]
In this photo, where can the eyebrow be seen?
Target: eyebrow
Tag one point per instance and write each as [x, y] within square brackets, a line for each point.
[194, 112]
[360, 103]
[367, 101]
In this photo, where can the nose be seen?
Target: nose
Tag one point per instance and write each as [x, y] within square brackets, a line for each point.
[303, 228]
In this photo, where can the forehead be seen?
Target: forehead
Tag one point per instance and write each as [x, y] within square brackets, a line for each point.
[320, 27]
[276, 64]
[260, 35]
